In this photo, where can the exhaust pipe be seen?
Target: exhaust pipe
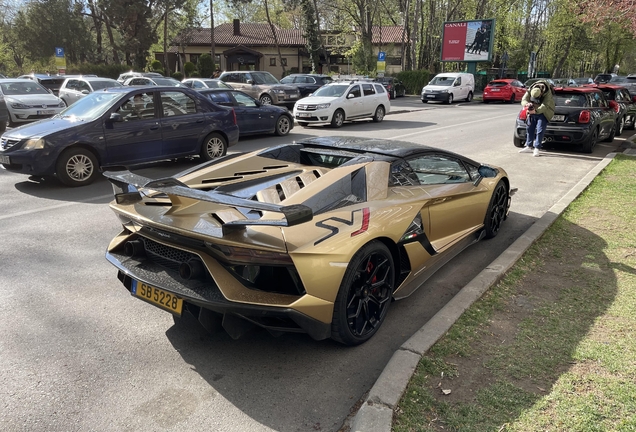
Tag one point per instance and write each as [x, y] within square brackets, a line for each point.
[134, 248]
[192, 269]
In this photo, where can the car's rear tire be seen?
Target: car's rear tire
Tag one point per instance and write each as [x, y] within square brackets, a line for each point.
[518, 142]
[266, 99]
[214, 146]
[303, 124]
[588, 146]
[3, 126]
[632, 123]
[338, 118]
[512, 99]
[77, 166]
[612, 134]
[379, 114]
[496, 212]
[283, 125]
[620, 126]
[469, 97]
[393, 95]
[364, 296]
[450, 99]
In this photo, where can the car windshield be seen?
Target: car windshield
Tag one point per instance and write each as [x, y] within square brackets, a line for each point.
[263, 78]
[216, 84]
[287, 80]
[167, 82]
[91, 106]
[618, 79]
[22, 88]
[442, 81]
[570, 100]
[497, 84]
[583, 80]
[98, 85]
[332, 90]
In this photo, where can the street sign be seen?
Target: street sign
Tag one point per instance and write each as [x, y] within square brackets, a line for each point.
[60, 60]
[381, 56]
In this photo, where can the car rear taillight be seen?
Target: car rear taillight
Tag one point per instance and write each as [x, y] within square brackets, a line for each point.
[614, 105]
[584, 116]
[523, 115]
[234, 115]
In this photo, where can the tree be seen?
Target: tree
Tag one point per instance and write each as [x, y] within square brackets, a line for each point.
[603, 12]
[205, 66]
[312, 33]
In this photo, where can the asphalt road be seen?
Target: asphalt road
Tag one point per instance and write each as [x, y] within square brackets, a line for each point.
[78, 353]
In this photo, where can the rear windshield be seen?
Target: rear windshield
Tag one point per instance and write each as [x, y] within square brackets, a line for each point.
[571, 100]
[497, 84]
[631, 79]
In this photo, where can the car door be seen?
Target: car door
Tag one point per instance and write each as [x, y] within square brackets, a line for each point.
[353, 105]
[70, 92]
[608, 115]
[251, 116]
[454, 208]
[369, 99]
[182, 123]
[137, 136]
[459, 89]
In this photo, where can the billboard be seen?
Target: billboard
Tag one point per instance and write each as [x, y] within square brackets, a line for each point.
[468, 41]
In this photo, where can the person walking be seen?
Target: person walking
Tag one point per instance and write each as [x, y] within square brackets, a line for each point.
[539, 103]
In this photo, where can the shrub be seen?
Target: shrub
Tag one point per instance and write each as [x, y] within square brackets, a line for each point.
[156, 66]
[195, 74]
[178, 76]
[414, 80]
[205, 66]
[188, 68]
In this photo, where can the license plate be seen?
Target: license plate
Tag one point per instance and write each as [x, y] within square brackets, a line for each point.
[494, 90]
[292, 97]
[304, 115]
[558, 118]
[46, 112]
[430, 96]
[158, 297]
[5, 160]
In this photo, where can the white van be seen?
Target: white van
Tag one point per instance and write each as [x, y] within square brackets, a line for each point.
[448, 87]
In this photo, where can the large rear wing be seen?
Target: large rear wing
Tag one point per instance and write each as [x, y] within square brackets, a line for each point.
[126, 187]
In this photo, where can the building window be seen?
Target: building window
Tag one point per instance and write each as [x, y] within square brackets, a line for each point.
[283, 61]
[272, 61]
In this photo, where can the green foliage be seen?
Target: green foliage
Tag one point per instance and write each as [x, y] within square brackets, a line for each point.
[102, 70]
[362, 57]
[178, 76]
[195, 74]
[414, 80]
[188, 68]
[156, 65]
[311, 33]
[205, 66]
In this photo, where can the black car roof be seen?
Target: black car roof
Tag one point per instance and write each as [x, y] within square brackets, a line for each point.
[393, 148]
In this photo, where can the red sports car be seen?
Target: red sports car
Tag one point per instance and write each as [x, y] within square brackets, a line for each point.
[505, 90]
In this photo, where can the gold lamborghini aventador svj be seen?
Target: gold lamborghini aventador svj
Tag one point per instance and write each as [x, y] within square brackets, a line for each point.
[318, 236]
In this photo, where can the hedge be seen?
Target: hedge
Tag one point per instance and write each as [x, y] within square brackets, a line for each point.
[414, 80]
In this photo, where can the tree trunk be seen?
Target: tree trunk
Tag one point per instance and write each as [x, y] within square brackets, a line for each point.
[166, 63]
[109, 30]
[271, 26]
[212, 42]
[97, 22]
[322, 45]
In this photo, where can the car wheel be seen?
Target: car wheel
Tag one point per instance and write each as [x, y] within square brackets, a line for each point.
[469, 97]
[632, 123]
[364, 296]
[512, 99]
[303, 124]
[496, 210]
[393, 95]
[517, 142]
[3, 126]
[76, 167]
[379, 114]
[283, 125]
[620, 126]
[338, 118]
[214, 146]
[588, 146]
[450, 99]
[612, 134]
[266, 99]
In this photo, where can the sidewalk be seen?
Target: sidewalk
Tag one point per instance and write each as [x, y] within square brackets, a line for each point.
[376, 412]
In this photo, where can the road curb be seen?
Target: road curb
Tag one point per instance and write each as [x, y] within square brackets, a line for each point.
[376, 412]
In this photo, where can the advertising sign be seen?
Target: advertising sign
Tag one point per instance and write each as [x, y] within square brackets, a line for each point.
[468, 41]
[60, 60]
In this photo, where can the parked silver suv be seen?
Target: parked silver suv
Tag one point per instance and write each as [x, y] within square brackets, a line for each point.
[263, 86]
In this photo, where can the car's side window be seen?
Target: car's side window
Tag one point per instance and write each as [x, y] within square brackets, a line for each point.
[187, 83]
[175, 103]
[232, 77]
[355, 91]
[439, 169]
[197, 85]
[458, 81]
[222, 98]
[368, 90]
[311, 80]
[137, 107]
[71, 84]
[243, 99]
[83, 85]
[402, 175]
[379, 88]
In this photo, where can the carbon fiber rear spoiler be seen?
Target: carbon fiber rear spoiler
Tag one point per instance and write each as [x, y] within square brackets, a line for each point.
[124, 194]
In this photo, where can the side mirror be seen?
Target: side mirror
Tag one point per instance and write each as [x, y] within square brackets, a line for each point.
[350, 96]
[85, 92]
[115, 118]
[249, 81]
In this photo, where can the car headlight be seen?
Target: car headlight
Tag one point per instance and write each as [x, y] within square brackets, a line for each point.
[279, 91]
[323, 106]
[18, 105]
[34, 144]
[425, 91]
[62, 104]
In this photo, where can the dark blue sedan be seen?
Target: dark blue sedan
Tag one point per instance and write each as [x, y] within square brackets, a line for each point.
[252, 116]
[120, 126]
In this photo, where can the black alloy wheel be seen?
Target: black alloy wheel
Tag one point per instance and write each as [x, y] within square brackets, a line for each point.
[588, 146]
[496, 212]
[365, 295]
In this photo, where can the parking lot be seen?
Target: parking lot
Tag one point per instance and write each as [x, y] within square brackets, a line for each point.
[79, 353]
